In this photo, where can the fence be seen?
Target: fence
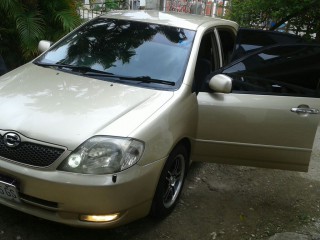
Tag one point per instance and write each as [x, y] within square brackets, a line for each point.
[89, 11]
[198, 7]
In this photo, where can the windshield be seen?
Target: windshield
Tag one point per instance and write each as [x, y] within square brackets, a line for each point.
[125, 48]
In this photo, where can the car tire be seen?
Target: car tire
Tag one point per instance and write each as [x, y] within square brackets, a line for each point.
[170, 182]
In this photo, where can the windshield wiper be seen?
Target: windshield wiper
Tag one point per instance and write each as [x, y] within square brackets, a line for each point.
[87, 71]
[81, 69]
[144, 79]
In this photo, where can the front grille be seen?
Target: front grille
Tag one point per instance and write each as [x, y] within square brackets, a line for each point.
[30, 153]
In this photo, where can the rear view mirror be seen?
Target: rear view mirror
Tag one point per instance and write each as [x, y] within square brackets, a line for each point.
[221, 83]
[44, 45]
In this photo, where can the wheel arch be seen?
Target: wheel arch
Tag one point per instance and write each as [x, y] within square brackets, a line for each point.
[158, 209]
[187, 143]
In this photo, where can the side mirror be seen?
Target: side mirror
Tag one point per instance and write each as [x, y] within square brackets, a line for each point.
[221, 83]
[44, 45]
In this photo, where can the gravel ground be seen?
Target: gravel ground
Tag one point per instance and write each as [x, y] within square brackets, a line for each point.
[218, 202]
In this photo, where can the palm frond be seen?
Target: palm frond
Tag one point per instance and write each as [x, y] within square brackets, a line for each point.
[68, 19]
[11, 7]
[6, 4]
[31, 29]
[24, 22]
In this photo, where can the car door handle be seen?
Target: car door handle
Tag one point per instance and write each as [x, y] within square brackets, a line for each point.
[305, 110]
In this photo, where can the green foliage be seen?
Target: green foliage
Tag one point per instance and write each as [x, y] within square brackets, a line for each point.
[30, 28]
[25, 22]
[106, 6]
[299, 15]
[111, 4]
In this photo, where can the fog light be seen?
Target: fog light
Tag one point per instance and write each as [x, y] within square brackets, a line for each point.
[99, 218]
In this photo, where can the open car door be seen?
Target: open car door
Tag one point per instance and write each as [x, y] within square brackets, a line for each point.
[271, 115]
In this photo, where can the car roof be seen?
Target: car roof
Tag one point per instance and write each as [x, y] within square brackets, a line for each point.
[181, 20]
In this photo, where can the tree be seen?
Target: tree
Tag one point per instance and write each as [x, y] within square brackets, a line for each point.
[88, 47]
[300, 16]
[25, 22]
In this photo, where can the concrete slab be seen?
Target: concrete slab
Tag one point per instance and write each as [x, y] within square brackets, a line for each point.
[289, 236]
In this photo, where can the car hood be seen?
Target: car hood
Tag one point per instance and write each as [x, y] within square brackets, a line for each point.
[66, 109]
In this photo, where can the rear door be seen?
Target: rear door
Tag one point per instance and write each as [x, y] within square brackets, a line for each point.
[271, 116]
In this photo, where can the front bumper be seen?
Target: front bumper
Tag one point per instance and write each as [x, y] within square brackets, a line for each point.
[63, 197]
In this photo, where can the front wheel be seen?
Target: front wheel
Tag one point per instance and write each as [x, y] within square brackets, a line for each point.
[170, 182]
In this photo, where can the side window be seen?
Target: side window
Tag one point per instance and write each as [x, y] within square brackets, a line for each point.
[227, 41]
[207, 60]
[250, 40]
[292, 70]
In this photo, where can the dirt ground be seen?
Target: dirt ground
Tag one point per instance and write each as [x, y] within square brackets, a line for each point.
[218, 202]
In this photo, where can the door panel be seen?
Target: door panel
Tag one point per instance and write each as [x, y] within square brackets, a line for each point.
[255, 130]
[271, 116]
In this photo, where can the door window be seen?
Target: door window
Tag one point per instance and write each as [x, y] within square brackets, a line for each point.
[207, 60]
[292, 70]
[227, 42]
[250, 40]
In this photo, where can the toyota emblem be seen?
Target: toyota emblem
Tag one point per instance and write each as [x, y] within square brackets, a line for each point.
[11, 139]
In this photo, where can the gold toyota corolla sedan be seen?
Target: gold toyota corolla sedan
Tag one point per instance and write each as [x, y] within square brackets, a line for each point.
[101, 128]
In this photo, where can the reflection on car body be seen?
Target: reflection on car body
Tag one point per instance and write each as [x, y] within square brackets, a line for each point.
[101, 128]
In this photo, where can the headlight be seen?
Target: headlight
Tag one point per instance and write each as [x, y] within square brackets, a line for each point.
[103, 155]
